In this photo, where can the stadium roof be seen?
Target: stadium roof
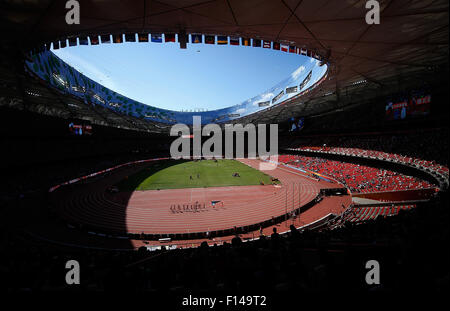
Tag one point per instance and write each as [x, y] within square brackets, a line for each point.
[410, 41]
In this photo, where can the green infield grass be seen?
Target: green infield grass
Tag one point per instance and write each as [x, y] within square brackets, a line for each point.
[176, 174]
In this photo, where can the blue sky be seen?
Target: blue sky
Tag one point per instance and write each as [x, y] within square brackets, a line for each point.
[165, 76]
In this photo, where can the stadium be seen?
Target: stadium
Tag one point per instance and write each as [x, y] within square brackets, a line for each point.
[359, 175]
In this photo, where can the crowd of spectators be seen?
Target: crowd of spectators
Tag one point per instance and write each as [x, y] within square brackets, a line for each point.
[303, 261]
[415, 240]
[430, 144]
[411, 249]
[358, 178]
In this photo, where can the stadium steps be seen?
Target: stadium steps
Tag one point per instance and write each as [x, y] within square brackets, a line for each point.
[361, 214]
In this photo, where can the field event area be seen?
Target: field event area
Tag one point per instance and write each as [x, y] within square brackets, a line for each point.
[178, 174]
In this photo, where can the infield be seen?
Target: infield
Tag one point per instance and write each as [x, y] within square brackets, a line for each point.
[177, 174]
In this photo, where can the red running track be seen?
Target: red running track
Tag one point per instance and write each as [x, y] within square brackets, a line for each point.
[149, 211]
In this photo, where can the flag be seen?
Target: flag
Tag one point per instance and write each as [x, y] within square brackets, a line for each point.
[169, 37]
[94, 40]
[55, 45]
[157, 37]
[196, 38]
[105, 38]
[276, 46]
[143, 37]
[118, 38]
[234, 41]
[63, 43]
[292, 49]
[72, 41]
[266, 44]
[284, 48]
[130, 37]
[210, 39]
[84, 41]
[187, 38]
[245, 41]
[256, 43]
[221, 40]
[297, 50]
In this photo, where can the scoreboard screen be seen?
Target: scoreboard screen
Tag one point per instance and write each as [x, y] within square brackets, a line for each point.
[80, 129]
[296, 124]
[408, 107]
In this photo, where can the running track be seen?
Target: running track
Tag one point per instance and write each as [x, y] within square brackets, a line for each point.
[149, 211]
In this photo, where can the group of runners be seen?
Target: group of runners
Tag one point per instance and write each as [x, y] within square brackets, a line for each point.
[195, 207]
